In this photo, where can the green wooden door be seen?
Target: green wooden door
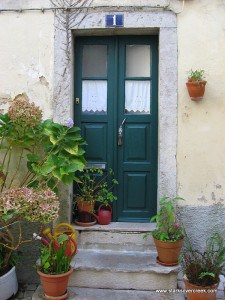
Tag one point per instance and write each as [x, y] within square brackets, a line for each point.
[116, 107]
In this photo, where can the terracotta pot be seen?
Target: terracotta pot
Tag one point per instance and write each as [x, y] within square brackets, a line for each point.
[196, 90]
[55, 285]
[168, 252]
[84, 205]
[196, 292]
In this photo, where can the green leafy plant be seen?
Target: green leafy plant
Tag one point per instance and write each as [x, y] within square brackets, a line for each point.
[204, 268]
[94, 185]
[55, 260]
[14, 258]
[196, 75]
[167, 225]
[35, 155]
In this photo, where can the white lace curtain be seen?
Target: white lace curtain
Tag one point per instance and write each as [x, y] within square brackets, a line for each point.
[137, 96]
[94, 96]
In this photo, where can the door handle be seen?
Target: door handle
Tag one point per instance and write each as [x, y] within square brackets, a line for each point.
[120, 134]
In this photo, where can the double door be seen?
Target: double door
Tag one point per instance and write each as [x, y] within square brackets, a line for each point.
[116, 107]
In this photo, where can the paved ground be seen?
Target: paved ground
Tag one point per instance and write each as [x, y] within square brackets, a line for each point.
[26, 291]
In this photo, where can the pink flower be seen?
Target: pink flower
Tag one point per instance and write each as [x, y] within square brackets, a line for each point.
[176, 226]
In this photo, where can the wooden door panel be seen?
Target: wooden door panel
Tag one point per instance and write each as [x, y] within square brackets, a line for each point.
[96, 136]
[136, 140]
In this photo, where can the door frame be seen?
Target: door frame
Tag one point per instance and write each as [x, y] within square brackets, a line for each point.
[165, 24]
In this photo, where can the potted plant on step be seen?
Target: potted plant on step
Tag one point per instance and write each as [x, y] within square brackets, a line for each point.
[196, 84]
[35, 155]
[202, 268]
[54, 266]
[94, 186]
[169, 234]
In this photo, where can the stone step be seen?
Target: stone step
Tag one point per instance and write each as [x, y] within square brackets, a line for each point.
[116, 236]
[121, 270]
[108, 294]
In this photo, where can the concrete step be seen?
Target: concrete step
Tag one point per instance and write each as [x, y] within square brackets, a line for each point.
[121, 270]
[107, 294]
[116, 236]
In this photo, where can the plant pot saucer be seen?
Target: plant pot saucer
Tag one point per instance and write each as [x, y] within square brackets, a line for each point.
[85, 224]
[166, 264]
[62, 297]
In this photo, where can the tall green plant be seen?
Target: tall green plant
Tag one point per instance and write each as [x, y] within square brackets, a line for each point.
[54, 260]
[203, 268]
[167, 226]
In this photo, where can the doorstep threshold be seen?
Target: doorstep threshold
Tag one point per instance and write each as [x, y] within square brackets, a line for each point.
[118, 227]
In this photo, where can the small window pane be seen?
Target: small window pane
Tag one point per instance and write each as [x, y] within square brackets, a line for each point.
[138, 61]
[94, 96]
[94, 61]
[137, 97]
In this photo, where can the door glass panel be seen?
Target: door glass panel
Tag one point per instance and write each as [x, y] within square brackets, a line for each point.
[138, 60]
[94, 96]
[94, 61]
[137, 97]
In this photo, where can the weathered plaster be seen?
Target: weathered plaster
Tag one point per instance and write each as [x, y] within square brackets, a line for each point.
[202, 222]
[27, 56]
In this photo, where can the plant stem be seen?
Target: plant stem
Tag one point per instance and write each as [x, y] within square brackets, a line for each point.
[17, 168]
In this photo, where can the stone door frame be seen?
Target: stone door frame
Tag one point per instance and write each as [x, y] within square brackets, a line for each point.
[161, 22]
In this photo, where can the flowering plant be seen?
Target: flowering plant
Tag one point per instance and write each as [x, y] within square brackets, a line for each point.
[35, 156]
[167, 226]
[56, 257]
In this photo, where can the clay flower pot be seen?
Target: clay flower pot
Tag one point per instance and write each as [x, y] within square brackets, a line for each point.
[55, 285]
[196, 89]
[168, 252]
[86, 206]
[196, 292]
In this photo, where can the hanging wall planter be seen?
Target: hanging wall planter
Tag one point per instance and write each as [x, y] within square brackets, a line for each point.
[196, 84]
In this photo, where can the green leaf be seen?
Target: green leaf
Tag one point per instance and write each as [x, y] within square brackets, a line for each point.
[62, 238]
[46, 169]
[73, 150]
[33, 157]
[203, 274]
[53, 139]
[68, 179]
[56, 173]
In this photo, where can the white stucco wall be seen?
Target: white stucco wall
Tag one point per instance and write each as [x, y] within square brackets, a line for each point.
[27, 57]
[201, 125]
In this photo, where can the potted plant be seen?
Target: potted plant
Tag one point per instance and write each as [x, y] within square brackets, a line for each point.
[54, 267]
[202, 269]
[93, 186]
[169, 234]
[196, 84]
[35, 156]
